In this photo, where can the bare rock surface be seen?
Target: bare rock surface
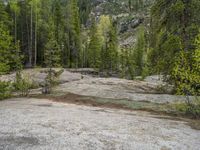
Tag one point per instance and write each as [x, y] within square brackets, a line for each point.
[119, 89]
[43, 124]
[38, 76]
[74, 82]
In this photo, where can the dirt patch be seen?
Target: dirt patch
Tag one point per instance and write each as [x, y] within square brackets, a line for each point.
[108, 103]
[83, 100]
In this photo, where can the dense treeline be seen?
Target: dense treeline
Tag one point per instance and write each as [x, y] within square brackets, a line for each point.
[64, 33]
[174, 44]
[58, 26]
[39, 26]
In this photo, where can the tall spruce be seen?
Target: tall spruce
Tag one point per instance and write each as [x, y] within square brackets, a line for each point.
[75, 31]
[94, 46]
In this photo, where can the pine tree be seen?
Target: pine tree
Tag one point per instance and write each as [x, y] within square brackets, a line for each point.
[139, 51]
[127, 63]
[52, 52]
[112, 49]
[5, 46]
[85, 7]
[57, 19]
[103, 28]
[4, 17]
[95, 46]
[15, 8]
[36, 4]
[10, 57]
[75, 41]
[52, 59]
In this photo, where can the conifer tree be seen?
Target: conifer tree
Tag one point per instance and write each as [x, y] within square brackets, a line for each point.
[15, 8]
[139, 51]
[52, 52]
[75, 41]
[95, 46]
[52, 59]
[112, 49]
[5, 48]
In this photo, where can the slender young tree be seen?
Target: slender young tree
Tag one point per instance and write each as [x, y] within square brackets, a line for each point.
[75, 41]
[139, 51]
[95, 46]
[36, 5]
[31, 36]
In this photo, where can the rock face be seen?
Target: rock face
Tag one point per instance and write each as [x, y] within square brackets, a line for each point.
[43, 124]
[128, 20]
[134, 23]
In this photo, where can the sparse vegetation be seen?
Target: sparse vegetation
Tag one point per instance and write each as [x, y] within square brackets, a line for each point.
[189, 108]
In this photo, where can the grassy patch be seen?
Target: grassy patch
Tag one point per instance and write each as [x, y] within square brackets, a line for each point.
[191, 109]
[169, 111]
[177, 109]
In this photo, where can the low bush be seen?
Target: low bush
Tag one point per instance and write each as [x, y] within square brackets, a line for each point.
[193, 107]
[190, 107]
[5, 90]
[22, 84]
[4, 68]
[51, 80]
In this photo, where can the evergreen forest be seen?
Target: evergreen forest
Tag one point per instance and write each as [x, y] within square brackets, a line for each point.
[125, 39]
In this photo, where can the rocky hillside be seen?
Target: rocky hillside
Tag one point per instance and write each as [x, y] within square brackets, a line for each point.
[129, 18]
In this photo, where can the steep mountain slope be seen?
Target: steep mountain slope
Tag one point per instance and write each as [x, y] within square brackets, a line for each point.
[129, 15]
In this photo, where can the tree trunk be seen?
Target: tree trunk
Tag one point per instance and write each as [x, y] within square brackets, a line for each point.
[31, 38]
[35, 60]
[29, 63]
[15, 28]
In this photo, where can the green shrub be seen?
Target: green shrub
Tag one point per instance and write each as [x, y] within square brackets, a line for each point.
[5, 90]
[4, 68]
[51, 80]
[161, 89]
[191, 108]
[22, 84]
[186, 72]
